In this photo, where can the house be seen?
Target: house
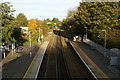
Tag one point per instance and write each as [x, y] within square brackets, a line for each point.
[24, 30]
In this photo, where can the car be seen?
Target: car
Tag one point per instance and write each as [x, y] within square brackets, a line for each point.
[20, 48]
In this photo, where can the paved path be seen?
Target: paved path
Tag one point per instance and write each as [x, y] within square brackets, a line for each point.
[96, 59]
[15, 66]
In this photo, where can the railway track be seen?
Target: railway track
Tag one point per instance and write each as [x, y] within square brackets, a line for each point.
[48, 68]
[61, 61]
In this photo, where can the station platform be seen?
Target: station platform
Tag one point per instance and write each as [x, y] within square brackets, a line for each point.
[96, 62]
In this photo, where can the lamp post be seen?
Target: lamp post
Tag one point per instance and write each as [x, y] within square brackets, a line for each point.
[3, 49]
[55, 25]
[30, 42]
[86, 32]
[39, 36]
[13, 48]
[104, 43]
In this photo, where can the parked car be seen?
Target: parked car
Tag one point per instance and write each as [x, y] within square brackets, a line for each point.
[20, 48]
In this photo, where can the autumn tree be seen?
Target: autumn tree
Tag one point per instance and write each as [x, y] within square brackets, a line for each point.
[96, 16]
[45, 26]
[39, 23]
[32, 25]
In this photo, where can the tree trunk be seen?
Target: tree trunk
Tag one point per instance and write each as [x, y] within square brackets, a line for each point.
[82, 37]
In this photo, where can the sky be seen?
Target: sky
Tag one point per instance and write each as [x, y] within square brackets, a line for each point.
[43, 9]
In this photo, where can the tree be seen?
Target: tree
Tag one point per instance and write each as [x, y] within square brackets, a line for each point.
[21, 20]
[72, 24]
[71, 13]
[39, 23]
[7, 13]
[32, 25]
[7, 19]
[56, 21]
[45, 26]
[96, 16]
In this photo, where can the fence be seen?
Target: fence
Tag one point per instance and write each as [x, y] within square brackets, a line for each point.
[114, 57]
[106, 52]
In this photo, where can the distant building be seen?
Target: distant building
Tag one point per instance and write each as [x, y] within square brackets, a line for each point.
[24, 30]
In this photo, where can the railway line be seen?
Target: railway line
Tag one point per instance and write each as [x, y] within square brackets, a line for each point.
[61, 61]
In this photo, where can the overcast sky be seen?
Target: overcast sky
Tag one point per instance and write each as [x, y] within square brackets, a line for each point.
[43, 9]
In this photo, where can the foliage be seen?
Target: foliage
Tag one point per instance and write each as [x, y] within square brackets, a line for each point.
[34, 38]
[96, 16]
[7, 19]
[45, 26]
[55, 22]
[7, 34]
[32, 25]
[7, 14]
[0, 38]
[38, 22]
[21, 20]
[114, 39]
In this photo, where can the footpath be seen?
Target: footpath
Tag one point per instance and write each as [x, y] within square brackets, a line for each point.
[97, 63]
[16, 65]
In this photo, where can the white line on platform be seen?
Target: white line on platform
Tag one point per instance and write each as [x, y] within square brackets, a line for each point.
[84, 62]
[33, 70]
[40, 62]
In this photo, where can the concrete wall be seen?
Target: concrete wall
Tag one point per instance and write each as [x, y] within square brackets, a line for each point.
[99, 48]
[114, 57]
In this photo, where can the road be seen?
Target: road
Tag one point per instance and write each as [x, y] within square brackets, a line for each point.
[61, 61]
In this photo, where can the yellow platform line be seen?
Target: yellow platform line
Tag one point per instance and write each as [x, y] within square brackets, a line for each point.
[28, 70]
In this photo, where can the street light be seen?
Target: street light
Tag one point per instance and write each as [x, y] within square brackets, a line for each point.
[30, 43]
[3, 49]
[105, 43]
[13, 48]
[86, 32]
[39, 36]
[55, 25]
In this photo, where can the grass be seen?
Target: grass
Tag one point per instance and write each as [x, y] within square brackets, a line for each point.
[34, 38]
